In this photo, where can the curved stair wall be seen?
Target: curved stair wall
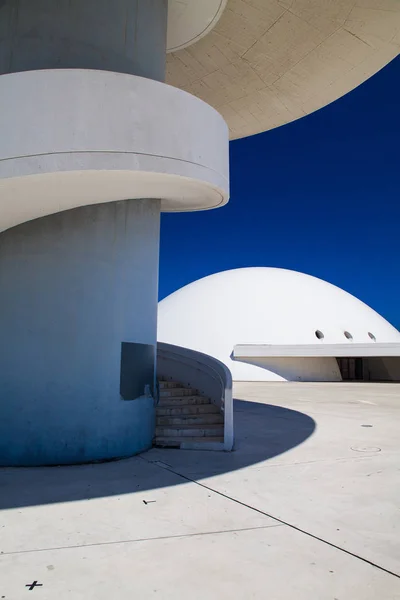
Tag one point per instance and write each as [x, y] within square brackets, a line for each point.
[210, 377]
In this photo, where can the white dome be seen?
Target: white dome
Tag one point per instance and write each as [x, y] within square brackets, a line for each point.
[265, 306]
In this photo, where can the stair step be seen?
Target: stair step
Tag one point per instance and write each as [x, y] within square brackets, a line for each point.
[190, 430]
[182, 401]
[200, 420]
[169, 384]
[176, 391]
[186, 409]
[190, 443]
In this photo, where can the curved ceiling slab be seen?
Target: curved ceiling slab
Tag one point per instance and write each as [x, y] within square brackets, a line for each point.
[269, 62]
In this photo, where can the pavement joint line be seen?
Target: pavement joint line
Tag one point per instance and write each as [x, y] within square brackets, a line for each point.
[138, 540]
[280, 521]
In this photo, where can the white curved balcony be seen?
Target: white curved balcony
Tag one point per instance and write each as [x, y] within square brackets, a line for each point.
[76, 137]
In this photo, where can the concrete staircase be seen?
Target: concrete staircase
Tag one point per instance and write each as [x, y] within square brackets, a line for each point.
[187, 420]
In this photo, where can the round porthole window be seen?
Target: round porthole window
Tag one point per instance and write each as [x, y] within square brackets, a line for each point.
[348, 335]
[371, 335]
[319, 334]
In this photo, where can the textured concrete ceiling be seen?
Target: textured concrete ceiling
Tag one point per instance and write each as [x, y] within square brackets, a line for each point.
[269, 62]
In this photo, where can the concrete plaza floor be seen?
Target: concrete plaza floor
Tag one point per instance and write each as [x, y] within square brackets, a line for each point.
[306, 508]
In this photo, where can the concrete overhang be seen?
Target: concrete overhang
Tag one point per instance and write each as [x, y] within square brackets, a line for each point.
[245, 351]
[264, 63]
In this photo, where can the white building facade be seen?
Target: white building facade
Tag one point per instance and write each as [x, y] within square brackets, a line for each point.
[270, 324]
[111, 112]
[93, 146]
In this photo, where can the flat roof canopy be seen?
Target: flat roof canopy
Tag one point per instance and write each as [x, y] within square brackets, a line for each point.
[241, 351]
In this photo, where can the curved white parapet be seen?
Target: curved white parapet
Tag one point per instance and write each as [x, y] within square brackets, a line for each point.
[191, 20]
[76, 137]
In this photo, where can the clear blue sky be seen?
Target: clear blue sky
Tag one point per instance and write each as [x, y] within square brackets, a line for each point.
[320, 195]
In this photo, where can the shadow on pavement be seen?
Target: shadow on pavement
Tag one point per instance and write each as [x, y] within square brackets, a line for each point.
[262, 431]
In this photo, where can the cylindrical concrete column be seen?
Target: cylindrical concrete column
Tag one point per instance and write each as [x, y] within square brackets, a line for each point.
[83, 163]
[126, 36]
[74, 287]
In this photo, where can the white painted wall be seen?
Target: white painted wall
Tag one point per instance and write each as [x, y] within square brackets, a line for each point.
[265, 306]
[89, 137]
[383, 368]
[295, 368]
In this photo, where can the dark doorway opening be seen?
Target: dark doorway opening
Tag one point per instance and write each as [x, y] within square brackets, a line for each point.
[351, 369]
